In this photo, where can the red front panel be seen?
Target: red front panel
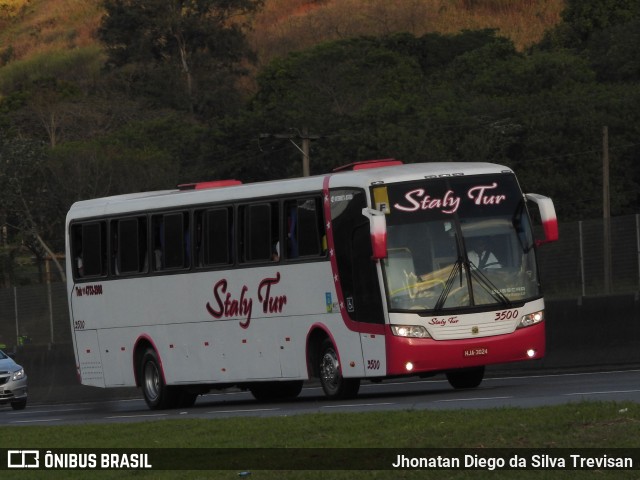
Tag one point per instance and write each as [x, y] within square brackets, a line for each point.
[427, 355]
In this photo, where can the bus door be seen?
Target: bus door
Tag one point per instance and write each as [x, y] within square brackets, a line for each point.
[359, 278]
[88, 259]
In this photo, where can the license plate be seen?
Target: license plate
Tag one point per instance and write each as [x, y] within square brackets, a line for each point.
[476, 352]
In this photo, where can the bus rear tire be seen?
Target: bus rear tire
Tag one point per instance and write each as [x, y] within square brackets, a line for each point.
[156, 393]
[466, 378]
[270, 391]
[334, 385]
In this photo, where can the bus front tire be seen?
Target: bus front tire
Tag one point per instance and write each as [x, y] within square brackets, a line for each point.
[466, 378]
[156, 393]
[334, 385]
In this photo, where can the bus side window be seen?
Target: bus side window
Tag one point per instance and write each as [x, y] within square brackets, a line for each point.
[171, 240]
[76, 251]
[130, 240]
[89, 248]
[303, 228]
[260, 240]
[214, 229]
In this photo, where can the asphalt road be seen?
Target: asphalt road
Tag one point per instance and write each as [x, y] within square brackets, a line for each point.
[431, 394]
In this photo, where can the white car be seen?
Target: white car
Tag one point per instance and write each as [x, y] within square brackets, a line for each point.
[13, 383]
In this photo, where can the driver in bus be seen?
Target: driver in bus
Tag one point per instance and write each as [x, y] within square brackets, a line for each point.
[480, 254]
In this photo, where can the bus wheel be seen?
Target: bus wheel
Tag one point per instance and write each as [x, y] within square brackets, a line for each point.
[335, 386]
[269, 391]
[466, 378]
[156, 393]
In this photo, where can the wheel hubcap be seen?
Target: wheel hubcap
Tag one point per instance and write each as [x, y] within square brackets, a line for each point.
[151, 381]
[330, 369]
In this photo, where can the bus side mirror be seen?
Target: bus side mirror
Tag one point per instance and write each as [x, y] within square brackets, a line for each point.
[378, 231]
[547, 215]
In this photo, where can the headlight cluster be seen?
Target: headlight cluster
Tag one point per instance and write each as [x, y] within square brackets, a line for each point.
[418, 331]
[531, 319]
[18, 374]
[411, 331]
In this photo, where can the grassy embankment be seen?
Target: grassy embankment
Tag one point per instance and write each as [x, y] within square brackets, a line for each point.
[574, 426]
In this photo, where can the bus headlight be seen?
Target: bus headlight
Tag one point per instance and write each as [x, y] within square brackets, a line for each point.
[531, 319]
[411, 331]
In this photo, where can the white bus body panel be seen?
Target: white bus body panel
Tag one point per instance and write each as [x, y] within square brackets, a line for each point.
[89, 360]
[373, 354]
[194, 346]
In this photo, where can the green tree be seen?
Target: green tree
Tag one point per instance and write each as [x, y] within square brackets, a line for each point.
[52, 97]
[185, 54]
[584, 18]
[334, 90]
[588, 16]
[473, 98]
[28, 210]
[612, 54]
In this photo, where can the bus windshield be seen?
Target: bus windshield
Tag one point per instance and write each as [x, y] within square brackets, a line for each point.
[458, 243]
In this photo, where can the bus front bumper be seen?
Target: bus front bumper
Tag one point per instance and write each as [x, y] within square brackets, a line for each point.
[412, 356]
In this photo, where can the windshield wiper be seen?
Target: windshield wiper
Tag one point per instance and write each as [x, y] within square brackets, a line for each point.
[457, 268]
[488, 285]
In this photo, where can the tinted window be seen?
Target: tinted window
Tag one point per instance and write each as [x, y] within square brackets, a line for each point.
[303, 227]
[260, 239]
[352, 241]
[171, 241]
[130, 241]
[214, 236]
[89, 249]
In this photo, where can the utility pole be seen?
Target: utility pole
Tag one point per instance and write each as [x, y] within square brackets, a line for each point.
[304, 149]
[606, 211]
[306, 144]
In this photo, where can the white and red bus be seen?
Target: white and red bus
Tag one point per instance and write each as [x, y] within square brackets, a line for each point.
[373, 271]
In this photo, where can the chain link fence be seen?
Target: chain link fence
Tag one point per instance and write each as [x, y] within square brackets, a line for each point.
[34, 314]
[580, 264]
[573, 267]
